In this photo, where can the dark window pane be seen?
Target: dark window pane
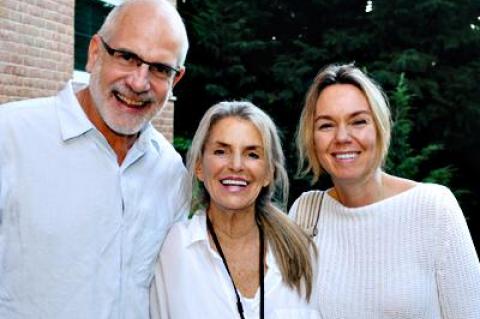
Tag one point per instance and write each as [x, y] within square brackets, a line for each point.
[89, 15]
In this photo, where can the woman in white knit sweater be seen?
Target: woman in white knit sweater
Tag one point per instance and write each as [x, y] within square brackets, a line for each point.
[388, 247]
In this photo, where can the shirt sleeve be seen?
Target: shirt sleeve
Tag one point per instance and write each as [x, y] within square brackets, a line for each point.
[1, 209]
[183, 197]
[1, 164]
[158, 297]
[164, 287]
[458, 267]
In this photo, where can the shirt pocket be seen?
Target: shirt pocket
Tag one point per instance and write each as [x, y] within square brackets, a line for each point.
[297, 313]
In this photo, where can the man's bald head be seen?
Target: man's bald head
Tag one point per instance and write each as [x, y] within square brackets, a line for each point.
[161, 12]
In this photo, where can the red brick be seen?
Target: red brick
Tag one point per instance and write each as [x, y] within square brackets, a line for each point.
[36, 51]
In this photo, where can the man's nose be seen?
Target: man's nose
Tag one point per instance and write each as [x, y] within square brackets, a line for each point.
[139, 79]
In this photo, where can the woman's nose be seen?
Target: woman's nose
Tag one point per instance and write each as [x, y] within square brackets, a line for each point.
[236, 162]
[342, 134]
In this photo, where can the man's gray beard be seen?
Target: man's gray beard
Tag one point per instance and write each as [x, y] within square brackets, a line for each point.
[100, 105]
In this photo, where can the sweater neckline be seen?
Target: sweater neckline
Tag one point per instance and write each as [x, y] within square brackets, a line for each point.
[368, 207]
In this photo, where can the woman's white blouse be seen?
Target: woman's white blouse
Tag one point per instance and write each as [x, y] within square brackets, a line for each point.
[192, 282]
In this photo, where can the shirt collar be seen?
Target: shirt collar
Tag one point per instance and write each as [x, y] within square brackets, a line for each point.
[150, 136]
[197, 228]
[73, 120]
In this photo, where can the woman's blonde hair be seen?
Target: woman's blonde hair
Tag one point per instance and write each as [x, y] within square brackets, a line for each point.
[340, 74]
[290, 245]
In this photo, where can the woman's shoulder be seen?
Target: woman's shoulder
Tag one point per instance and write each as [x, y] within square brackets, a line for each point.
[432, 191]
[305, 205]
[184, 232]
[309, 200]
[430, 201]
[397, 185]
[309, 196]
[441, 195]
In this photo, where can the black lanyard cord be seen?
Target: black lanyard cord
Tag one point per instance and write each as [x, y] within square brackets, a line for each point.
[261, 269]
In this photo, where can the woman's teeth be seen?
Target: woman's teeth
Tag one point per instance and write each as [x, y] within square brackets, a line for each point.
[346, 156]
[233, 182]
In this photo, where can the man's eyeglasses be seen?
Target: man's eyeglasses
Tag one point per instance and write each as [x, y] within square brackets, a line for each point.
[130, 60]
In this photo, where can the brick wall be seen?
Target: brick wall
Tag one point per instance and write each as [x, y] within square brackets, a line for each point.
[164, 120]
[36, 47]
[36, 52]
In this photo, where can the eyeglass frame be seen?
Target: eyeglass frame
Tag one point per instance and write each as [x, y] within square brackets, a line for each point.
[158, 65]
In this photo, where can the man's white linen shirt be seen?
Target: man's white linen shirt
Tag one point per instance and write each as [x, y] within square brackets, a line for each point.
[191, 281]
[79, 234]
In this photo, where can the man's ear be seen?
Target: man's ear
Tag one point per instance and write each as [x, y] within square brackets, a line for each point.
[93, 52]
[178, 76]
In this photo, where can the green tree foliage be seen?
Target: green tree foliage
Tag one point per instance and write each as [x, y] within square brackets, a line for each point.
[182, 144]
[269, 51]
[229, 58]
[402, 159]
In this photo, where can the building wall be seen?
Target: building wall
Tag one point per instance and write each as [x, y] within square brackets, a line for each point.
[36, 47]
[36, 52]
[164, 120]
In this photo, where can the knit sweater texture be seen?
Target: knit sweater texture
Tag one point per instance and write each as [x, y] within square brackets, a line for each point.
[407, 256]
